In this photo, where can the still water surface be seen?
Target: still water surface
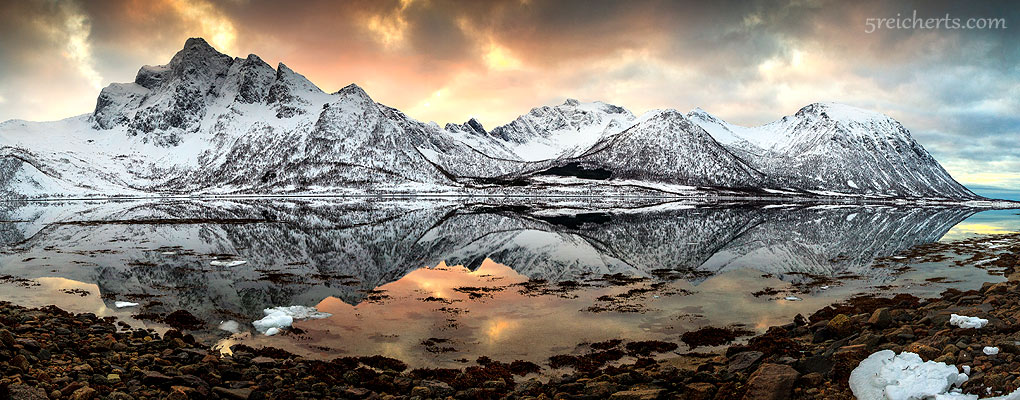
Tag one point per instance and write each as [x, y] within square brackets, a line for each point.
[438, 282]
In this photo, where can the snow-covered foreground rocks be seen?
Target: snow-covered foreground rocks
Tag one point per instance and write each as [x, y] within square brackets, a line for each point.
[966, 322]
[279, 318]
[887, 375]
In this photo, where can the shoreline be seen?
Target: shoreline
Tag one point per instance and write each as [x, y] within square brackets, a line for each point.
[50, 353]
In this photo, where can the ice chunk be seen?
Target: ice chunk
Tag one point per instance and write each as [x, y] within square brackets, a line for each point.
[966, 322]
[227, 263]
[122, 304]
[793, 298]
[991, 351]
[886, 375]
[230, 326]
[279, 318]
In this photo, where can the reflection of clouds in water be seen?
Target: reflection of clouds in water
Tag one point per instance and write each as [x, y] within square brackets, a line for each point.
[993, 222]
[497, 328]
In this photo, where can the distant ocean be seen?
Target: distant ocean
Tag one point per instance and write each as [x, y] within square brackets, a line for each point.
[996, 193]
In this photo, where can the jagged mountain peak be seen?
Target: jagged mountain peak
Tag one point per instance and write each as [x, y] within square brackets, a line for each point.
[472, 126]
[197, 56]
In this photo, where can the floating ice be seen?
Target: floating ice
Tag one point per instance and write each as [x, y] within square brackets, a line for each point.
[991, 351]
[227, 263]
[279, 318]
[966, 322]
[793, 298]
[122, 304]
[230, 326]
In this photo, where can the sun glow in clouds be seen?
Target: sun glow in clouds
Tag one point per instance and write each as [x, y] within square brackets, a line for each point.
[215, 27]
[390, 29]
[500, 58]
[76, 30]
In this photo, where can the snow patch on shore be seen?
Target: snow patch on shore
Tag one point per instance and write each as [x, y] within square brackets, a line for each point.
[966, 322]
[886, 375]
[279, 318]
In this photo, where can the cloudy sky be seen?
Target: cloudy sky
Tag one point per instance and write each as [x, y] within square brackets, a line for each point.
[957, 90]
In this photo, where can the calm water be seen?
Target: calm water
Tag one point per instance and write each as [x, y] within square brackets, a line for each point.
[437, 282]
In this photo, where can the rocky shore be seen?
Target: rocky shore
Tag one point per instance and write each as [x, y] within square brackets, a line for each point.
[50, 354]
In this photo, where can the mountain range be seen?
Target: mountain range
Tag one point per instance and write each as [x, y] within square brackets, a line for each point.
[210, 124]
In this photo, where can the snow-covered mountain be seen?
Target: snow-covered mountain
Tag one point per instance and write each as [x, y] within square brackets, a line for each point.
[565, 130]
[208, 123]
[828, 147]
[664, 146]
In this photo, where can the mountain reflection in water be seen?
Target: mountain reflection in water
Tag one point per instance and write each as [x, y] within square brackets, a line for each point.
[301, 251]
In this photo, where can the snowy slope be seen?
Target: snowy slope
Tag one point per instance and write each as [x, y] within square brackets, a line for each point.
[562, 131]
[664, 146]
[833, 148]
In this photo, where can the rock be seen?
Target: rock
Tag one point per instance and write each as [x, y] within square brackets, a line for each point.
[926, 352]
[811, 380]
[119, 396]
[25, 392]
[420, 392]
[237, 394]
[154, 378]
[19, 361]
[771, 382]
[438, 388]
[113, 378]
[742, 361]
[637, 394]
[880, 318]
[841, 325]
[599, 389]
[7, 339]
[85, 393]
[177, 393]
[700, 391]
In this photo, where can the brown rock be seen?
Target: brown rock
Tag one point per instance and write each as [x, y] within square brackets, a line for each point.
[6, 338]
[840, 324]
[237, 394]
[637, 394]
[772, 382]
[926, 352]
[85, 393]
[880, 318]
[21, 362]
[25, 392]
[700, 391]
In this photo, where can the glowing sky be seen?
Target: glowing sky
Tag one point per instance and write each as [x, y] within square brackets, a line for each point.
[958, 91]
